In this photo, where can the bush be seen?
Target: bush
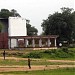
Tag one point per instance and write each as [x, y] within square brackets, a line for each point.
[47, 52]
[50, 51]
[65, 53]
[65, 49]
[60, 53]
[33, 55]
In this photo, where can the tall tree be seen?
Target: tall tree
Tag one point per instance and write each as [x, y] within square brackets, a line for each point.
[60, 24]
[14, 13]
[31, 31]
[73, 33]
[5, 13]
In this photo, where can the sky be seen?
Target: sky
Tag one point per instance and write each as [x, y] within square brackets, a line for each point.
[36, 10]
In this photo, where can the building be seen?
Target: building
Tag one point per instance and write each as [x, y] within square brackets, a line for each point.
[14, 35]
[12, 26]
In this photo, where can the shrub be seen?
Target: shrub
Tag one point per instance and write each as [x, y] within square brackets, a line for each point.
[62, 54]
[33, 55]
[47, 52]
[50, 51]
[65, 49]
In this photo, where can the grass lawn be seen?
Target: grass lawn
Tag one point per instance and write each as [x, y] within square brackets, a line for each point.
[43, 55]
[33, 62]
[66, 71]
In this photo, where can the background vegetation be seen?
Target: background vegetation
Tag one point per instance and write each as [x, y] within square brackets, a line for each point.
[62, 24]
[61, 53]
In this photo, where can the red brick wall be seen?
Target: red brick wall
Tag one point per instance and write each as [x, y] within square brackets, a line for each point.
[3, 40]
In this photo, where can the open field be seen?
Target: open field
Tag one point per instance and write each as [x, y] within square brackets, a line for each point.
[20, 64]
[66, 71]
[23, 61]
[50, 62]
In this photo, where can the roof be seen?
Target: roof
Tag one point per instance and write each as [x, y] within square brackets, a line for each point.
[35, 37]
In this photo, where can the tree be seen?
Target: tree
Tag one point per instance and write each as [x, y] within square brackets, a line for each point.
[5, 13]
[61, 24]
[14, 13]
[73, 33]
[31, 30]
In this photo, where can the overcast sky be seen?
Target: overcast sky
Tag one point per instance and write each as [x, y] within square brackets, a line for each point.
[36, 10]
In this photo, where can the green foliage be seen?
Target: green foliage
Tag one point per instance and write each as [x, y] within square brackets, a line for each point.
[50, 51]
[61, 24]
[33, 55]
[5, 13]
[63, 53]
[59, 53]
[65, 49]
[31, 30]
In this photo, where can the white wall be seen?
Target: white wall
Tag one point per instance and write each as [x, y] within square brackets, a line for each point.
[17, 26]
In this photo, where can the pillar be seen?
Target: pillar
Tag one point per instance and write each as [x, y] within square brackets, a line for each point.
[55, 42]
[16, 42]
[49, 42]
[25, 41]
[40, 43]
[33, 42]
[9, 43]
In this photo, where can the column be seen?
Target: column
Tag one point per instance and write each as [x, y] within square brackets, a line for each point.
[25, 40]
[40, 43]
[49, 42]
[16, 42]
[55, 42]
[9, 43]
[33, 42]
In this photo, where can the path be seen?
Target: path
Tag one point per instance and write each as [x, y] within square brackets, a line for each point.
[15, 58]
[39, 67]
[25, 68]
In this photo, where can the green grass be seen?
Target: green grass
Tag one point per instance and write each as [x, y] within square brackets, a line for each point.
[63, 53]
[60, 54]
[66, 71]
[71, 48]
[33, 62]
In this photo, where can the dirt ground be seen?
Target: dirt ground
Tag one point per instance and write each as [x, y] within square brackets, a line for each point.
[39, 59]
[40, 67]
[25, 68]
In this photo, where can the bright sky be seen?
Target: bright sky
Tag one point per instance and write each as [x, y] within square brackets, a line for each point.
[36, 10]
